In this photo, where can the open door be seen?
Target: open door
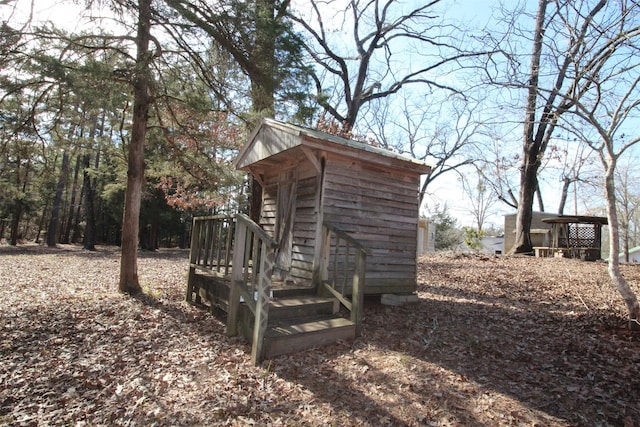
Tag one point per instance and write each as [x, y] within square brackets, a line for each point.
[285, 217]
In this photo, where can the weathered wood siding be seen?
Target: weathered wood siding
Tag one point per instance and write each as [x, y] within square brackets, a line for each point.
[304, 228]
[378, 207]
[305, 220]
[377, 204]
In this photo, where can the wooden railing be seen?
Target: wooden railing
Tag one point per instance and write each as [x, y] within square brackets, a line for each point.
[252, 265]
[211, 247]
[342, 270]
[211, 242]
[235, 246]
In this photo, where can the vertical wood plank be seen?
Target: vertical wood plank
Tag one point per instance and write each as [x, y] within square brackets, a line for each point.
[230, 234]
[262, 304]
[336, 255]
[255, 267]
[247, 254]
[219, 243]
[324, 253]
[192, 259]
[236, 276]
[358, 291]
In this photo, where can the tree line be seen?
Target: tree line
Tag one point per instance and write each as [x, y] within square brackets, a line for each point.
[122, 130]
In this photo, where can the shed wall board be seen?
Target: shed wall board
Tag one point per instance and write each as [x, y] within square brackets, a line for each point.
[358, 199]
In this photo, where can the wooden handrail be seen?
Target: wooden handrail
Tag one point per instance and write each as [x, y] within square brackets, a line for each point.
[256, 229]
[353, 273]
[344, 235]
[252, 265]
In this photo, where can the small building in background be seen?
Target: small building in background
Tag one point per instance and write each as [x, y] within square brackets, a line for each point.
[553, 235]
[540, 231]
[426, 236]
[634, 256]
[492, 245]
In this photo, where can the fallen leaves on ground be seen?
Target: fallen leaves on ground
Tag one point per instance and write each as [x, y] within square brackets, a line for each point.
[493, 341]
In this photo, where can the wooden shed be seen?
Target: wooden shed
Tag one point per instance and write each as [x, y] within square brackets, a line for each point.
[311, 177]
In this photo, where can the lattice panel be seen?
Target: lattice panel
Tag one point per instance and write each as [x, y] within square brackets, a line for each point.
[582, 236]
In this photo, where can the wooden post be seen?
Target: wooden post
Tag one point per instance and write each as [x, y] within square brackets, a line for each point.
[262, 304]
[323, 268]
[236, 276]
[195, 230]
[230, 233]
[357, 293]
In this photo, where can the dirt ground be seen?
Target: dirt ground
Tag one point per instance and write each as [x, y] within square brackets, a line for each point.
[493, 341]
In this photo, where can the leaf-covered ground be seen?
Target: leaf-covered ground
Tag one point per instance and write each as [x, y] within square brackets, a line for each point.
[494, 341]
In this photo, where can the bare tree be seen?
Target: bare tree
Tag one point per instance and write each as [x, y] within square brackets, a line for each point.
[609, 103]
[447, 134]
[575, 168]
[561, 35]
[359, 58]
[628, 203]
[498, 170]
[480, 195]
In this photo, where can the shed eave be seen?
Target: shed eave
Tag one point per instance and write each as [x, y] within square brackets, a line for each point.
[268, 139]
[272, 137]
[360, 151]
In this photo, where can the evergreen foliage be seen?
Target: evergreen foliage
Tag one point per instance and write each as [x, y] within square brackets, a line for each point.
[448, 234]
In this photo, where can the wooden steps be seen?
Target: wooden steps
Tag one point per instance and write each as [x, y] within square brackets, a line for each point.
[298, 318]
[301, 307]
[292, 336]
[298, 323]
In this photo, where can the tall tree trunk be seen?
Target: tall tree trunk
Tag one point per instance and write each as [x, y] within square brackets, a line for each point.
[3, 224]
[531, 161]
[566, 182]
[618, 280]
[263, 84]
[539, 195]
[135, 173]
[623, 225]
[89, 238]
[537, 133]
[15, 224]
[52, 231]
[70, 216]
[19, 207]
[75, 235]
[41, 223]
[255, 200]
[525, 209]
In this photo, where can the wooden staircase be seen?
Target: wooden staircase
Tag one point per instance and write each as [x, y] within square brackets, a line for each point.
[276, 320]
[299, 323]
